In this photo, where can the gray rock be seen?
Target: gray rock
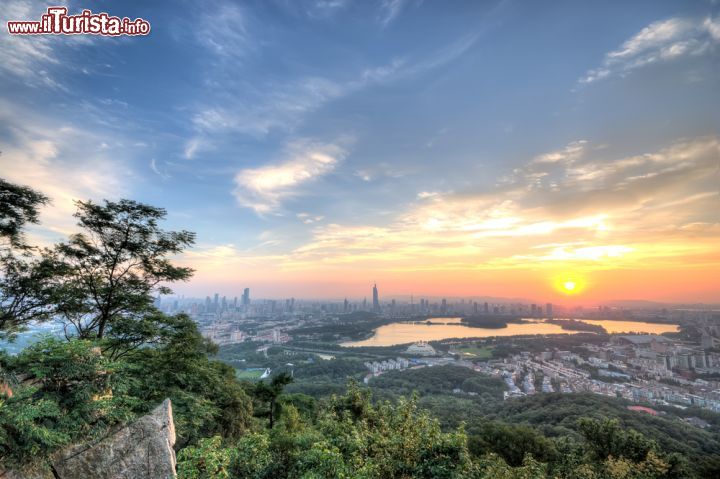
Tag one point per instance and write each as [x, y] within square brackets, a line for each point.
[141, 450]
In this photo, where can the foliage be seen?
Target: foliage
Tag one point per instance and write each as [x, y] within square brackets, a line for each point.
[18, 207]
[558, 415]
[354, 326]
[207, 460]
[110, 270]
[337, 369]
[25, 293]
[26, 428]
[267, 394]
[606, 438]
[23, 280]
[69, 391]
[351, 437]
[207, 399]
[491, 321]
[437, 380]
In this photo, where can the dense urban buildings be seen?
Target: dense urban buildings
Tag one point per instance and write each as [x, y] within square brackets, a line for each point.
[649, 368]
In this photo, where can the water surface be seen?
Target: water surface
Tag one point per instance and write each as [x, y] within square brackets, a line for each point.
[446, 328]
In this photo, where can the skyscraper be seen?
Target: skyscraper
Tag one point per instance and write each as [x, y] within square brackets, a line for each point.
[246, 297]
[376, 299]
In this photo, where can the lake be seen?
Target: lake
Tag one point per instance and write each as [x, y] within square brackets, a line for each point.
[446, 328]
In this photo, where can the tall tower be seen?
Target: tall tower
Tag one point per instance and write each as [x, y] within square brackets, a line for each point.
[246, 297]
[376, 299]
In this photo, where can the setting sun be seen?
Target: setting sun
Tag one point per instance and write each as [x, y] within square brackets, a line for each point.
[570, 283]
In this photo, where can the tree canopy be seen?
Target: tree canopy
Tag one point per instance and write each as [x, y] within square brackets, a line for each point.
[19, 205]
[24, 296]
[109, 271]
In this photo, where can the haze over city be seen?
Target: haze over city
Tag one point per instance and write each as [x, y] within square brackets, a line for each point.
[559, 153]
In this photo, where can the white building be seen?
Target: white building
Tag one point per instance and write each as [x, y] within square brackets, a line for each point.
[421, 349]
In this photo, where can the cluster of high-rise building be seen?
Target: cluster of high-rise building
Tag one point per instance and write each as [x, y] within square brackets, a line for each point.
[223, 307]
[378, 367]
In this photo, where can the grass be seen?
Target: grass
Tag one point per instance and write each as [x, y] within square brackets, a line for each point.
[475, 352]
[249, 373]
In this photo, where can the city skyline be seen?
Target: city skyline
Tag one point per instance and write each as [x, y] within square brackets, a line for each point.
[372, 302]
[565, 153]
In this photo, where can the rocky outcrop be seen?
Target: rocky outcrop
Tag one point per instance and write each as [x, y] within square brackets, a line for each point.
[141, 450]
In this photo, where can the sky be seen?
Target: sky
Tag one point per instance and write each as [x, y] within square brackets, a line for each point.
[479, 148]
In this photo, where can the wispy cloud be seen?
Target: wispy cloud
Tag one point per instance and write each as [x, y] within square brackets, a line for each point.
[283, 106]
[391, 9]
[265, 188]
[35, 59]
[161, 173]
[308, 219]
[659, 42]
[274, 107]
[325, 8]
[191, 147]
[222, 28]
[571, 152]
[26, 57]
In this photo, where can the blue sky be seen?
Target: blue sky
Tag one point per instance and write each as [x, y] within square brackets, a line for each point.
[333, 142]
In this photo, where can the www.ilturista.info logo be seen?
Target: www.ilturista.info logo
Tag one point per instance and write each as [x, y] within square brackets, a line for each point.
[57, 22]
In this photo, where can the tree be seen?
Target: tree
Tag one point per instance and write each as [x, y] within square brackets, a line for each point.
[208, 460]
[207, 398]
[69, 392]
[268, 393]
[25, 293]
[110, 271]
[24, 296]
[607, 438]
[18, 206]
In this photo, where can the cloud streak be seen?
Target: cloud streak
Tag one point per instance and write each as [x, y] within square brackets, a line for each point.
[659, 42]
[264, 188]
[283, 106]
[36, 60]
